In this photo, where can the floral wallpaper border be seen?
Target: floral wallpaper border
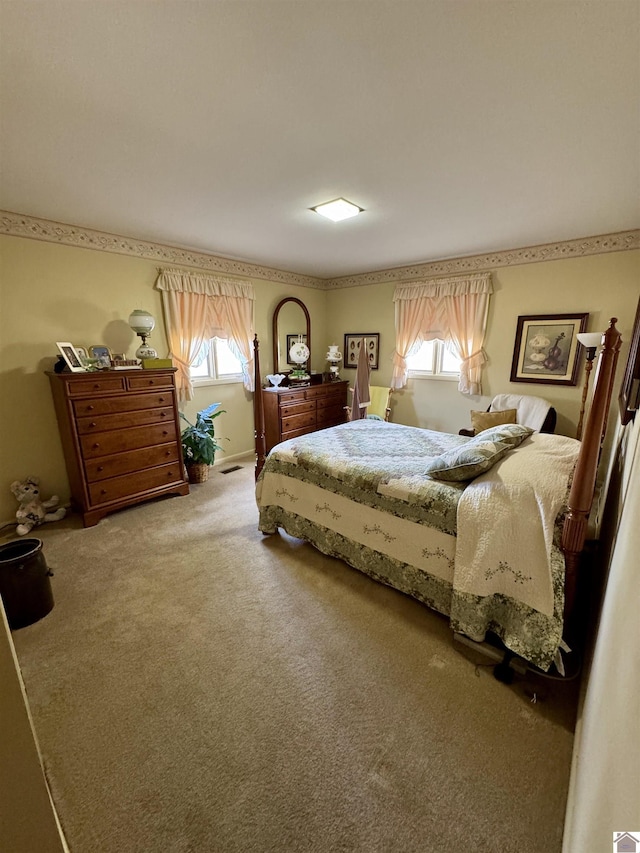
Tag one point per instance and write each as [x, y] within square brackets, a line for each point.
[22, 225]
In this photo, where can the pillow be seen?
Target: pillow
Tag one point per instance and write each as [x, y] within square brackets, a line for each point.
[511, 434]
[484, 420]
[467, 461]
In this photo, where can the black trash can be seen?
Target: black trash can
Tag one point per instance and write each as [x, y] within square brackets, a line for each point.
[24, 582]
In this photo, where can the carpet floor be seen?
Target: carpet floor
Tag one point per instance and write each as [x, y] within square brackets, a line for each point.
[201, 688]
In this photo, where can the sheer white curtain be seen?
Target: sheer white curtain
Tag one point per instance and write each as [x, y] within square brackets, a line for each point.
[198, 307]
[452, 309]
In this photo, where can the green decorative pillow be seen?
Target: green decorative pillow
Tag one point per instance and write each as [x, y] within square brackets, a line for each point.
[511, 434]
[484, 420]
[467, 461]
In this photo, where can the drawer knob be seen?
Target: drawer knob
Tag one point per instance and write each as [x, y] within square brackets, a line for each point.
[89, 408]
[96, 446]
[103, 491]
[164, 432]
[163, 414]
[100, 468]
[96, 387]
[161, 399]
[92, 424]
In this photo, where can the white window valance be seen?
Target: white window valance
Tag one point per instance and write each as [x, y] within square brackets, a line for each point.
[186, 281]
[456, 286]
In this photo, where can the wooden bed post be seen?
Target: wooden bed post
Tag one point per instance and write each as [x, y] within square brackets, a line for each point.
[574, 532]
[258, 409]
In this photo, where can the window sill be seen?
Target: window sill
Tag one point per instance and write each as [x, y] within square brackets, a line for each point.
[209, 380]
[451, 377]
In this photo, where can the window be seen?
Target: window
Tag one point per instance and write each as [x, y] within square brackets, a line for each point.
[435, 360]
[216, 363]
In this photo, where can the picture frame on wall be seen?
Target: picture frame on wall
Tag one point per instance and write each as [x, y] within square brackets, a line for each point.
[71, 356]
[546, 348]
[629, 398]
[352, 343]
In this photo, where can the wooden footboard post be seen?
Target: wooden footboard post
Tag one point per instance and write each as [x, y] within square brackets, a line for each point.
[258, 410]
[574, 531]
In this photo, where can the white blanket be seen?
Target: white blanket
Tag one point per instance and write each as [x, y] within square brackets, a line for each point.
[532, 411]
[495, 552]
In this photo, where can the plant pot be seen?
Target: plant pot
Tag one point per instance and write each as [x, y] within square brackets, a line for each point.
[198, 472]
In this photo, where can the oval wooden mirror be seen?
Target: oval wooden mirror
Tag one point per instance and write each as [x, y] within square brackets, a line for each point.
[290, 319]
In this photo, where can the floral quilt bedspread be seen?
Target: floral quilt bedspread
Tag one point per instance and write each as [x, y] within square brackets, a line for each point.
[357, 492]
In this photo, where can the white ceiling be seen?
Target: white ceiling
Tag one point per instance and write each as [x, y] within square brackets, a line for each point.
[460, 127]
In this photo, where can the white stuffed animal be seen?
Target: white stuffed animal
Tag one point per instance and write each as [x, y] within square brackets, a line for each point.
[32, 511]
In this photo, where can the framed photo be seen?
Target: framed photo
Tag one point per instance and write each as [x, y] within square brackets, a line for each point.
[629, 398]
[352, 344]
[71, 356]
[82, 352]
[100, 352]
[546, 348]
[292, 339]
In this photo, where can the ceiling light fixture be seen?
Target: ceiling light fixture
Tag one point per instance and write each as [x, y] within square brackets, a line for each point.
[337, 209]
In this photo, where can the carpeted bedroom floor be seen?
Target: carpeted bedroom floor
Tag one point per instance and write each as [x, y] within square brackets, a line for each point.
[199, 687]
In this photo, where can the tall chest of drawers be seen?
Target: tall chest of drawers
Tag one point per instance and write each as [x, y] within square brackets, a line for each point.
[120, 435]
[290, 412]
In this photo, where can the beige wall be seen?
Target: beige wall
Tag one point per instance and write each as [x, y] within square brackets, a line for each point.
[603, 285]
[604, 792]
[51, 292]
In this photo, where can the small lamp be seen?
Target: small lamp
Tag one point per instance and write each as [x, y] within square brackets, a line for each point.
[590, 341]
[299, 354]
[143, 324]
[334, 357]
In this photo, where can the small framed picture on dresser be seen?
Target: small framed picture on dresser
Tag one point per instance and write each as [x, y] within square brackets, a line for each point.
[71, 356]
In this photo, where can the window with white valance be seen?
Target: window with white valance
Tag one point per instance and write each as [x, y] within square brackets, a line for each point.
[453, 310]
[198, 307]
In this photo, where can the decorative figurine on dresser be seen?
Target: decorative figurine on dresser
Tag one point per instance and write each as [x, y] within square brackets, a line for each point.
[120, 436]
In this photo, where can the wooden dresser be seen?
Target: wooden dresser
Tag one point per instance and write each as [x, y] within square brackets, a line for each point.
[120, 435]
[290, 412]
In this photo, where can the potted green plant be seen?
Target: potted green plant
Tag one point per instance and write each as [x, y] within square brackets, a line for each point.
[199, 443]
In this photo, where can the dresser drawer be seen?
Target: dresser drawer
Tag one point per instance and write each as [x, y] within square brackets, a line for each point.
[331, 415]
[143, 381]
[287, 397]
[116, 441]
[297, 408]
[307, 419]
[123, 403]
[296, 433]
[124, 420]
[130, 461]
[331, 400]
[120, 487]
[315, 391]
[98, 385]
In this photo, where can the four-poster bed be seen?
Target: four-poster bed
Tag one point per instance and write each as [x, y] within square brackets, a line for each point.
[486, 530]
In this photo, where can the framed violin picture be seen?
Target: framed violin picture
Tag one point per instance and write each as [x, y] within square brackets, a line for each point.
[546, 348]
